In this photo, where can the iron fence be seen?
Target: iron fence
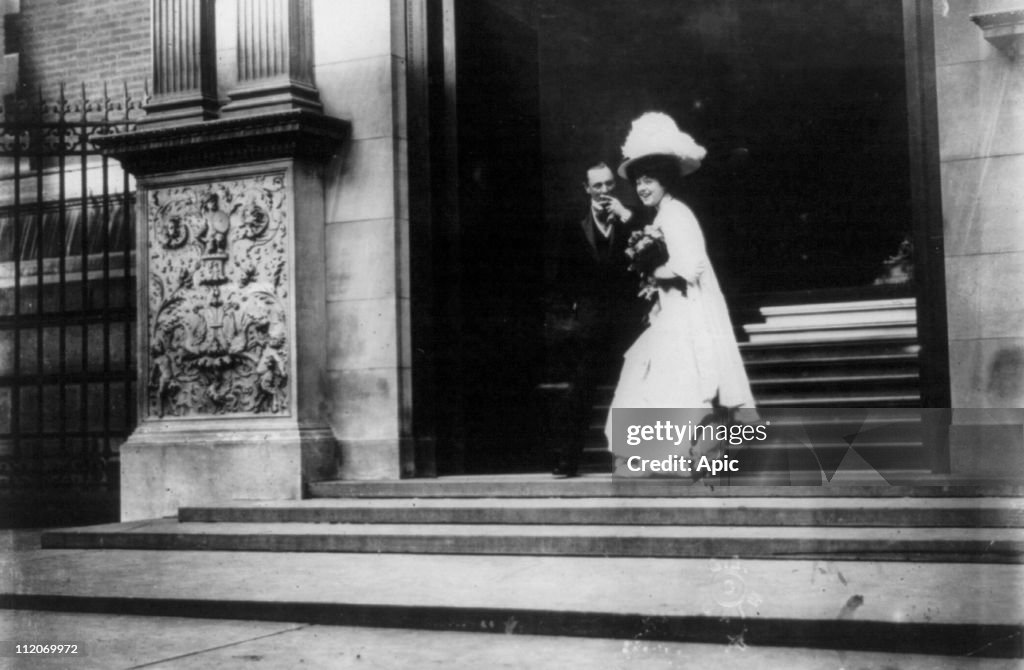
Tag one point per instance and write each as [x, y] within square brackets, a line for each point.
[67, 309]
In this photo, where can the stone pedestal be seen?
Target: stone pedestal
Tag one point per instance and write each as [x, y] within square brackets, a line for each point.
[232, 321]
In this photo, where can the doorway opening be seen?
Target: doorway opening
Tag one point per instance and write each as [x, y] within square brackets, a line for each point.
[806, 195]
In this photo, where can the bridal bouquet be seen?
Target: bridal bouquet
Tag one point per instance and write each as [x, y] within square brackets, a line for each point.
[646, 251]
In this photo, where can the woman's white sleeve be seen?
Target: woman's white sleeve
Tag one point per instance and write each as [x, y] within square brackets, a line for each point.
[687, 256]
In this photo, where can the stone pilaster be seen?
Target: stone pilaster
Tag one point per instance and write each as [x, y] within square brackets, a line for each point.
[184, 63]
[275, 58]
[980, 83]
[361, 71]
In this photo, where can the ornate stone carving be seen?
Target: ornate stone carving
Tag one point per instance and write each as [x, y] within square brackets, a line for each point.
[218, 291]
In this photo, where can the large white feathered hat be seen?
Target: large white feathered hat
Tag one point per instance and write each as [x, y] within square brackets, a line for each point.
[656, 134]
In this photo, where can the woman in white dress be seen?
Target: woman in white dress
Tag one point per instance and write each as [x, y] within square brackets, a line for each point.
[688, 356]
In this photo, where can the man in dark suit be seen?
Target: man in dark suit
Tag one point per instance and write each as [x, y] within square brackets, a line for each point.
[592, 312]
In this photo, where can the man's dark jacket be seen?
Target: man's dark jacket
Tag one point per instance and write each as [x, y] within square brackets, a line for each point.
[591, 297]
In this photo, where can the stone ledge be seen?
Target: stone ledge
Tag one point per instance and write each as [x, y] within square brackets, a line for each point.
[1004, 30]
[289, 134]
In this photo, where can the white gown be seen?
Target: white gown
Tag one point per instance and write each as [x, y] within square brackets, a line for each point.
[688, 354]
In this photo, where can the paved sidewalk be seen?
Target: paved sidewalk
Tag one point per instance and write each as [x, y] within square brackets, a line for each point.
[113, 642]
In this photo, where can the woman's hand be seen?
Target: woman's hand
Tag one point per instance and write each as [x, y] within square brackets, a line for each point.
[688, 270]
[662, 272]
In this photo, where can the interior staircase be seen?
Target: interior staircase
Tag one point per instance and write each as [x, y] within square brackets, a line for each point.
[914, 568]
[860, 353]
[813, 353]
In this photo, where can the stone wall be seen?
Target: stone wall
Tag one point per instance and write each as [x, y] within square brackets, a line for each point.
[360, 71]
[981, 128]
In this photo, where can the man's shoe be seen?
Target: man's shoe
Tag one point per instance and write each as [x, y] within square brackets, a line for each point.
[564, 470]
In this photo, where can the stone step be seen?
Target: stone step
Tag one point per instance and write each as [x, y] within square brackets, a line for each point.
[835, 381]
[841, 400]
[859, 374]
[851, 512]
[771, 395]
[785, 396]
[900, 350]
[850, 366]
[796, 333]
[847, 322]
[922, 608]
[756, 360]
[981, 545]
[900, 485]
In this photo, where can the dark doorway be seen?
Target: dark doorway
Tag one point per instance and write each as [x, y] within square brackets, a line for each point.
[801, 105]
[803, 108]
[500, 232]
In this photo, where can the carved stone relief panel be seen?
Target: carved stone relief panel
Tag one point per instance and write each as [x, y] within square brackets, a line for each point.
[218, 298]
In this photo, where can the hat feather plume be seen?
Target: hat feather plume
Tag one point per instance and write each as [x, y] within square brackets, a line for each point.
[657, 133]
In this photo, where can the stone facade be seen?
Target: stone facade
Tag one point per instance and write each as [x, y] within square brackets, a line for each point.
[360, 51]
[981, 128]
[214, 259]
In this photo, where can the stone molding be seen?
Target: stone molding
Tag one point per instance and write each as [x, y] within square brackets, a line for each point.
[290, 134]
[1004, 30]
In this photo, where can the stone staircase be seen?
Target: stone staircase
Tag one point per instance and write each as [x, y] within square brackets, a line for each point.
[752, 528]
[835, 354]
[919, 564]
[822, 355]
[836, 567]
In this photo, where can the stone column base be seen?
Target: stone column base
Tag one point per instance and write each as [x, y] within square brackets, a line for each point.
[167, 467]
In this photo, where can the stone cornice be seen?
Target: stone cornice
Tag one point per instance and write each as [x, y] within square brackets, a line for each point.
[288, 134]
[1003, 29]
[1004, 18]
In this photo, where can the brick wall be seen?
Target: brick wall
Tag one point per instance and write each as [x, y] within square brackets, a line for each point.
[90, 41]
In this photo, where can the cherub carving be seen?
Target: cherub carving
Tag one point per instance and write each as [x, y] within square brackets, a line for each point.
[272, 377]
[255, 221]
[217, 223]
[161, 375]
